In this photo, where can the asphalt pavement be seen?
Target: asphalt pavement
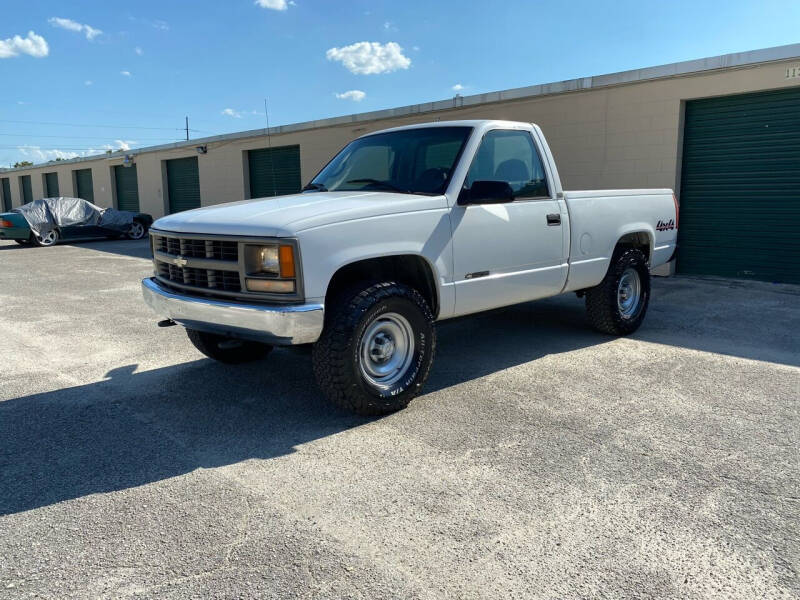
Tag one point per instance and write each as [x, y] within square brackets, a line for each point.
[544, 460]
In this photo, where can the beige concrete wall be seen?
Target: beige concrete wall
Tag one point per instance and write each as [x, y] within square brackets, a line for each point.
[623, 136]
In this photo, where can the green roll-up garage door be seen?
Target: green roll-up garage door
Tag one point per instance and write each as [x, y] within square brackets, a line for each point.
[83, 184]
[51, 185]
[740, 187]
[6, 190]
[25, 185]
[183, 183]
[127, 186]
[283, 162]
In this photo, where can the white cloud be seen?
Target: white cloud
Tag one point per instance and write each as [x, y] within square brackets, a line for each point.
[369, 58]
[88, 82]
[138, 50]
[71, 25]
[229, 112]
[120, 145]
[354, 95]
[458, 87]
[160, 25]
[40, 155]
[125, 73]
[32, 45]
[415, 48]
[274, 4]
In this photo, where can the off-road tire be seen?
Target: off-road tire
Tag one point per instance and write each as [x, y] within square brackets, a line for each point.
[602, 305]
[236, 352]
[337, 353]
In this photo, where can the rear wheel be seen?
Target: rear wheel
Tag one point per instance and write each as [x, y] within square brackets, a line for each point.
[48, 239]
[619, 303]
[225, 349]
[376, 349]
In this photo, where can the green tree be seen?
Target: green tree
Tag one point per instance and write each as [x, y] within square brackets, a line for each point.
[23, 163]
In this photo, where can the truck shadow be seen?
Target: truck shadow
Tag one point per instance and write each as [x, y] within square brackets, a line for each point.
[135, 428]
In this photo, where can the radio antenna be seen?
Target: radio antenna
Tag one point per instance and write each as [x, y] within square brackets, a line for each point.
[269, 150]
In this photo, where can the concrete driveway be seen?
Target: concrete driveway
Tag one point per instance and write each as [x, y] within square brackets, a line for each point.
[543, 461]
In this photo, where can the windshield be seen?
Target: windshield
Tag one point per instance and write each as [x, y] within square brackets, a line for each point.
[409, 161]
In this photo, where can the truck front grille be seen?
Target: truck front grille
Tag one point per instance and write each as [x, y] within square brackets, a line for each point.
[204, 265]
[216, 249]
[211, 279]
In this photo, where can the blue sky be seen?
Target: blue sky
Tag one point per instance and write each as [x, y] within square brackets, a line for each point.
[102, 74]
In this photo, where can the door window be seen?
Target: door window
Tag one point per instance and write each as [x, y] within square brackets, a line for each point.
[510, 156]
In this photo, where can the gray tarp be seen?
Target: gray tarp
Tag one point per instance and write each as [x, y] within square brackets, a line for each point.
[49, 213]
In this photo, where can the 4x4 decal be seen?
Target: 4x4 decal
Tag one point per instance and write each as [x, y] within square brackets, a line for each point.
[665, 225]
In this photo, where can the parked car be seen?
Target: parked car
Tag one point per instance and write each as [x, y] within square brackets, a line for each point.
[403, 228]
[45, 221]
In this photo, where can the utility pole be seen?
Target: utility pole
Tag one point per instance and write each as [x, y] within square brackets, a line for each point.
[187, 129]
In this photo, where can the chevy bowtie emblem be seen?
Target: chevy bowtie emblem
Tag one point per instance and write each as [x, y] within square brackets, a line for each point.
[179, 261]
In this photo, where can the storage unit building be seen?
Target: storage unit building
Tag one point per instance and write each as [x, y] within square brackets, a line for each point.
[723, 132]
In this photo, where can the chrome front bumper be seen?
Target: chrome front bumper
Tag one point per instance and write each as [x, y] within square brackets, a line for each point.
[273, 324]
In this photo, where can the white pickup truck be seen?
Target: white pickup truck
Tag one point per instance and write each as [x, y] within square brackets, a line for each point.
[403, 228]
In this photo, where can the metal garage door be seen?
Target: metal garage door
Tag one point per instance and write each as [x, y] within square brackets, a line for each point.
[6, 191]
[127, 186]
[51, 185]
[83, 184]
[183, 183]
[274, 171]
[25, 185]
[740, 188]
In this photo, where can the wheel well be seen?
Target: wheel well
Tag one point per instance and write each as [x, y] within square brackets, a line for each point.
[637, 239]
[412, 270]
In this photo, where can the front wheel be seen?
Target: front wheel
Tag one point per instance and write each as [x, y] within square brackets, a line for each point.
[376, 349]
[225, 349]
[618, 304]
[136, 231]
[48, 239]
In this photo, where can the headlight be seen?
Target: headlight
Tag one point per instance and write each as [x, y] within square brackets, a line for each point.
[270, 269]
[268, 260]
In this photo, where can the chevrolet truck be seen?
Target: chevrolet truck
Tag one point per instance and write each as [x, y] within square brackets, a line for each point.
[403, 228]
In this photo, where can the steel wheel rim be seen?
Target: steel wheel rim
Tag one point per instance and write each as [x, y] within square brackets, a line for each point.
[386, 350]
[49, 238]
[629, 293]
[136, 231]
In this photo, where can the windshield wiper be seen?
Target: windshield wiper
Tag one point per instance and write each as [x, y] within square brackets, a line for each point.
[384, 184]
[316, 187]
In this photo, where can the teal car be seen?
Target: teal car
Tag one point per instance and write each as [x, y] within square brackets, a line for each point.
[13, 226]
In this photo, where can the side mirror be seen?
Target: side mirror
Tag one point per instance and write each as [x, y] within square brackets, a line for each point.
[487, 192]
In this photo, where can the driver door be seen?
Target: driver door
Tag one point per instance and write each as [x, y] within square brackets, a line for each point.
[511, 252]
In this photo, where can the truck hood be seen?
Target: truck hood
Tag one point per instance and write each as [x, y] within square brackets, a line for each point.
[288, 215]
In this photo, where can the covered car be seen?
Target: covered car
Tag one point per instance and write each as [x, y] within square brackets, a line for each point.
[45, 221]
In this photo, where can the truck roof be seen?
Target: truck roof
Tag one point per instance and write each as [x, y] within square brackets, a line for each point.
[474, 123]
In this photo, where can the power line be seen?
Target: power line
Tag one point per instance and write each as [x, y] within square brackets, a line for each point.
[93, 125]
[82, 137]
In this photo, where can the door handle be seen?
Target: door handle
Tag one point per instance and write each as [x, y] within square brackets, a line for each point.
[553, 219]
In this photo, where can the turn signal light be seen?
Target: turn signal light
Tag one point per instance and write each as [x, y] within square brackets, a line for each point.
[286, 259]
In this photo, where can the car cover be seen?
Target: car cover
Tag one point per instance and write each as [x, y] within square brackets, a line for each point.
[46, 214]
